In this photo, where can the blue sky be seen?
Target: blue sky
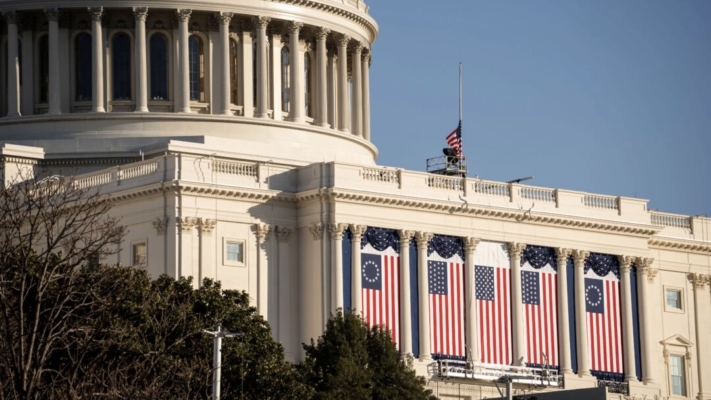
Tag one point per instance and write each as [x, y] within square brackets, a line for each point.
[608, 97]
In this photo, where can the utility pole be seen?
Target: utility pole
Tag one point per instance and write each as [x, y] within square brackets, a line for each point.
[217, 356]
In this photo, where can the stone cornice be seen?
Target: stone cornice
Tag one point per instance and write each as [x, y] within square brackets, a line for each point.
[680, 245]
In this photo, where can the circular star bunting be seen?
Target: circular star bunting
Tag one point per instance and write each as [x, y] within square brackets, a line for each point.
[594, 297]
[371, 272]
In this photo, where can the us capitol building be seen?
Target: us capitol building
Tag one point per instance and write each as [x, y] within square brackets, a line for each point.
[236, 138]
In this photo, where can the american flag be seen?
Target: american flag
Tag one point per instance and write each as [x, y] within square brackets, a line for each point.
[446, 289]
[380, 278]
[540, 315]
[454, 139]
[493, 293]
[602, 305]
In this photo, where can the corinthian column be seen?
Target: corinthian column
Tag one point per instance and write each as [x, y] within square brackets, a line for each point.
[13, 66]
[423, 238]
[470, 288]
[321, 60]
[224, 19]
[366, 95]
[262, 70]
[645, 276]
[627, 331]
[54, 62]
[405, 308]
[344, 109]
[262, 233]
[97, 61]
[563, 317]
[183, 19]
[276, 76]
[581, 322]
[140, 13]
[519, 335]
[357, 90]
[356, 284]
[336, 232]
[702, 305]
[296, 113]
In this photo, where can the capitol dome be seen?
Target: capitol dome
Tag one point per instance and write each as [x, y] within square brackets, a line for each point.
[281, 80]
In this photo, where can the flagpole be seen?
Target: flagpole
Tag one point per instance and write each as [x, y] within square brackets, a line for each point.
[460, 92]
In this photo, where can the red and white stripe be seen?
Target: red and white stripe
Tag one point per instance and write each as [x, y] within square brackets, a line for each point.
[495, 321]
[541, 322]
[447, 315]
[605, 333]
[382, 307]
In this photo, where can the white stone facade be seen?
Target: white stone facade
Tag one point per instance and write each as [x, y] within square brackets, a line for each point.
[256, 192]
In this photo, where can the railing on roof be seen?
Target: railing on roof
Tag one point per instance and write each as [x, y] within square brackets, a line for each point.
[672, 220]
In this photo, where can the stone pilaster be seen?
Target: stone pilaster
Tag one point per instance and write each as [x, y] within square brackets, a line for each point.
[645, 277]
[702, 305]
[627, 326]
[423, 239]
[405, 299]
[581, 324]
[262, 232]
[335, 230]
[356, 279]
[471, 318]
[518, 331]
[563, 312]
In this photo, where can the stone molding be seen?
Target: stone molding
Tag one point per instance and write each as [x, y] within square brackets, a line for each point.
[316, 230]
[680, 245]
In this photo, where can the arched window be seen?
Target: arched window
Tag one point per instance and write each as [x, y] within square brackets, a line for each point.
[285, 79]
[197, 69]
[121, 46]
[159, 67]
[234, 73]
[82, 67]
[308, 81]
[44, 69]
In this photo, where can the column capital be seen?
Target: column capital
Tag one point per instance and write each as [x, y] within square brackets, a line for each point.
[186, 224]
[140, 13]
[515, 249]
[224, 18]
[159, 224]
[11, 17]
[699, 280]
[470, 244]
[96, 13]
[579, 257]
[357, 231]
[322, 33]
[183, 14]
[52, 14]
[261, 22]
[316, 230]
[283, 233]
[343, 40]
[366, 56]
[262, 231]
[405, 236]
[643, 263]
[423, 238]
[294, 27]
[625, 263]
[332, 52]
[336, 230]
[562, 254]
[206, 225]
[358, 47]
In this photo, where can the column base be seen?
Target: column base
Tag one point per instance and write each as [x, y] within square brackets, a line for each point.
[142, 110]
[261, 116]
[13, 114]
[227, 112]
[344, 130]
[325, 125]
[54, 112]
[186, 111]
[98, 111]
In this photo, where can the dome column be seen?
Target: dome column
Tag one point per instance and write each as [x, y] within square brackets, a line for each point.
[262, 67]
[13, 66]
[247, 72]
[344, 109]
[357, 90]
[331, 89]
[322, 59]
[141, 13]
[296, 112]
[54, 87]
[276, 76]
[97, 61]
[224, 19]
[365, 70]
[184, 53]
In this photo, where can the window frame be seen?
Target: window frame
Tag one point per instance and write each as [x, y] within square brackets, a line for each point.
[203, 69]
[134, 244]
[684, 374]
[231, 263]
[682, 302]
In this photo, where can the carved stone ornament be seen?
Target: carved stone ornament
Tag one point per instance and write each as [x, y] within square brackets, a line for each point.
[515, 249]
[11, 17]
[183, 15]
[625, 263]
[261, 22]
[336, 230]
[224, 18]
[357, 231]
[699, 280]
[206, 225]
[160, 224]
[423, 239]
[405, 236]
[562, 255]
[365, 57]
[294, 27]
[358, 48]
[187, 224]
[262, 232]
[651, 274]
[316, 230]
[140, 13]
[96, 13]
[470, 244]
[52, 14]
[322, 33]
[283, 233]
[343, 40]
[579, 257]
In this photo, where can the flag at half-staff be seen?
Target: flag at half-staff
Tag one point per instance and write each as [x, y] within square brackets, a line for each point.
[454, 139]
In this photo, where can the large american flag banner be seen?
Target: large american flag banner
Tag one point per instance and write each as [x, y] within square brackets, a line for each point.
[446, 297]
[493, 302]
[539, 284]
[602, 306]
[380, 280]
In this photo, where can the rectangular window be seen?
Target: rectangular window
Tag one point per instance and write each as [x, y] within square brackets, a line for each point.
[678, 377]
[673, 298]
[139, 254]
[233, 252]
